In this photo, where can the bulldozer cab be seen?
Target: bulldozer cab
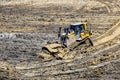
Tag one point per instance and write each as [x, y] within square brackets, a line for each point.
[74, 32]
[81, 30]
[77, 27]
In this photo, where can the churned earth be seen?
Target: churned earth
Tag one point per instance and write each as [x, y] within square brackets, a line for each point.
[26, 25]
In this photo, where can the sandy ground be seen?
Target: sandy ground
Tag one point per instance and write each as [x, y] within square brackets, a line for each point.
[26, 25]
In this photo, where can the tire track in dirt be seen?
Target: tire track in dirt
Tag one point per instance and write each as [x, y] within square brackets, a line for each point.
[109, 35]
[47, 67]
[112, 7]
[75, 67]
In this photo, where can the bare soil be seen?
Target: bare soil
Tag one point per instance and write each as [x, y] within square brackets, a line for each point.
[26, 26]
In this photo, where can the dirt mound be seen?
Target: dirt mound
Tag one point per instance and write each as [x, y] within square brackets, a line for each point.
[6, 70]
[109, 35]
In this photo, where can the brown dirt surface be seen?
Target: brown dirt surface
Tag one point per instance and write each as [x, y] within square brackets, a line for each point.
[26, 26]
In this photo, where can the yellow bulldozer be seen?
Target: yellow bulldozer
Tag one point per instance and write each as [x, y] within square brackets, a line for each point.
[69, 40]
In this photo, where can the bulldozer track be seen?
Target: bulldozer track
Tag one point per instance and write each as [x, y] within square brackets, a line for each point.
[80, 70]
[109, 35]
[84, 69]
[87, 72]
[110, 6]
[78, 64]
[94, 61]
